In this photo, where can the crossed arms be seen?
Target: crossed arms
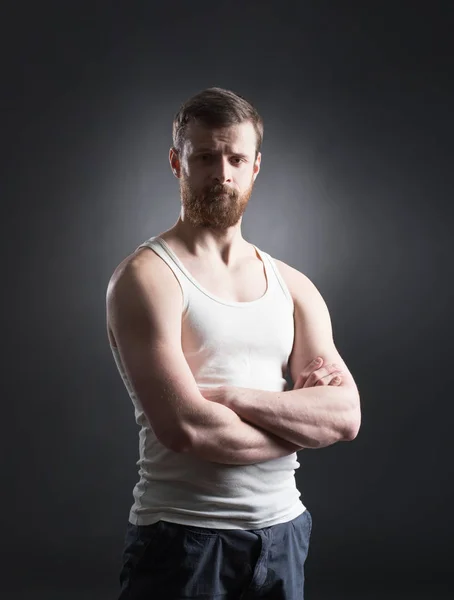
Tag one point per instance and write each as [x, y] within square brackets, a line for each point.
[144, 304]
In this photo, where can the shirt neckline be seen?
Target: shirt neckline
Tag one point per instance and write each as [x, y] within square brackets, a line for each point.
[208, 293]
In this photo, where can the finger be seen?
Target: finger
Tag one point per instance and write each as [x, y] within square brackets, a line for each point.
[319, 374]
[318, 360]
[316, 363]
[331, 379]
[299, 383]
[337, 380]
[310, 368]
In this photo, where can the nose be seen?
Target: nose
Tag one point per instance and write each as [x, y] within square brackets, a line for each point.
[221, 170]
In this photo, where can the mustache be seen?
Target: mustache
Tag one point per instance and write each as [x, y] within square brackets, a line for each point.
[219, 189]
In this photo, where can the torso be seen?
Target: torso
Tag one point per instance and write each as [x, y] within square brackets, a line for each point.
[243, 282]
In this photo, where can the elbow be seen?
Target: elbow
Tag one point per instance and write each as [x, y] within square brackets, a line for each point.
[179, 442]
[351, 434]
[174, 439]
[353, 425]
[176, 444]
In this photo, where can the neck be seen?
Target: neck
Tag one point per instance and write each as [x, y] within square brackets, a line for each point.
[226, 244]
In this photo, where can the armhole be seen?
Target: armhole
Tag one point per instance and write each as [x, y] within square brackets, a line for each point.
[157, 249]
[281, 281]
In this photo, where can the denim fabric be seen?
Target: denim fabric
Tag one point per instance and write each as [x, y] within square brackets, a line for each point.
[168, 561]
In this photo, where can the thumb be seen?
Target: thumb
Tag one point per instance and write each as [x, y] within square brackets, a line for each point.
[299, 383]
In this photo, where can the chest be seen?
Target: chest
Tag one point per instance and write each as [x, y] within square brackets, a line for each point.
[245, 283]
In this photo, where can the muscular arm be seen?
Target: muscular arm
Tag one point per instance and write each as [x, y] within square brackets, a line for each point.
[226, 438]
[312, 417]
[316, 416]
[144, 305]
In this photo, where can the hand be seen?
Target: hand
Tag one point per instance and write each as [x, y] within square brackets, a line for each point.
[319, 374]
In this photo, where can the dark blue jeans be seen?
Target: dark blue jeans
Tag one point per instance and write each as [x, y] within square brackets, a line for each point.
[168, 561]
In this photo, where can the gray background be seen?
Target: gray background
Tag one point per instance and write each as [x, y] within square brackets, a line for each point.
[355, 191]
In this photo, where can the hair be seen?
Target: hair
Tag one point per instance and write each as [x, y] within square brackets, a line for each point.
[215, 107]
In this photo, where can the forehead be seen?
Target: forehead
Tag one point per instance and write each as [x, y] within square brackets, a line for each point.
[235, 138]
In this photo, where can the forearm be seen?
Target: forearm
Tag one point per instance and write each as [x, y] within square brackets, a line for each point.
[224, 437]
[313, 417]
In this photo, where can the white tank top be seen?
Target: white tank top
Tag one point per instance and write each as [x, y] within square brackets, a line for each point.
[244, 344]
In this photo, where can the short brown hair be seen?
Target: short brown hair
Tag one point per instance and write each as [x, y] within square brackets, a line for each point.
[216, 107]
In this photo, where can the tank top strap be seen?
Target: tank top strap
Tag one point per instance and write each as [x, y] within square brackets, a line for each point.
[277, 275]
[169, 259]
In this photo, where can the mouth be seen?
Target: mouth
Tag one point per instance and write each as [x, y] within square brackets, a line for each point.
[216, 195]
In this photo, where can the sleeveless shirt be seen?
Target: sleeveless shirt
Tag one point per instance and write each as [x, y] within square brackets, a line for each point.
[243, 344]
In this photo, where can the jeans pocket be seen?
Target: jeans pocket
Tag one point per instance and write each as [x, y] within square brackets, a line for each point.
[199, 531]
[310, 522]
[302, 526]
[141, 543]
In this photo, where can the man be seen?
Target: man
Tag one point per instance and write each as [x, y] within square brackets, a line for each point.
[203, 326]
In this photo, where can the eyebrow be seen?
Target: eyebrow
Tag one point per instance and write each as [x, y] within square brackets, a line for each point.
[202, 150]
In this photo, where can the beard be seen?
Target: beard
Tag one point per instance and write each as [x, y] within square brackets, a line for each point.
[215, 207]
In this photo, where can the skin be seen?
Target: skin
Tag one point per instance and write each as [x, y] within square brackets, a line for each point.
[217, 169]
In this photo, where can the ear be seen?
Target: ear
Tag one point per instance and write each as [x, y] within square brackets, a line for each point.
[257, 164]
[174, 160]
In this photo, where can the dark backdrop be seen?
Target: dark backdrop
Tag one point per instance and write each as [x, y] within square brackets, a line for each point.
[355, 191]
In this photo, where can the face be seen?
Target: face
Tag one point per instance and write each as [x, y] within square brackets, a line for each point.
[217, 170]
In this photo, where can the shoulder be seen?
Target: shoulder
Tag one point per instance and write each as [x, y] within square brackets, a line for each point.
[142, 263]
[300, 285]
[142, 278]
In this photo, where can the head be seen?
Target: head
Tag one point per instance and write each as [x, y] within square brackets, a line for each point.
[217, 137]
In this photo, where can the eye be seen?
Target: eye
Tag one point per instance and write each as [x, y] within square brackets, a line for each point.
[237, 158]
